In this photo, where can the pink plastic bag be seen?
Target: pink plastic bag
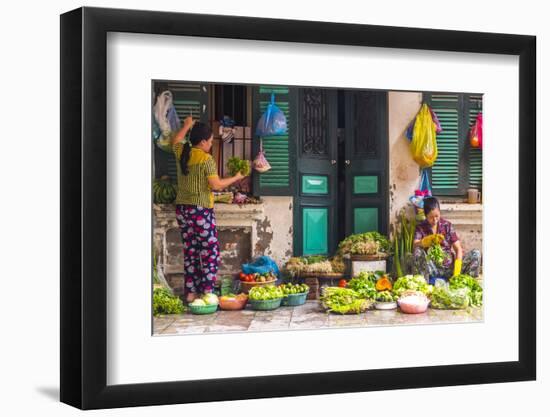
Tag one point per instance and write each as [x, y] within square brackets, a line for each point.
[260, 163]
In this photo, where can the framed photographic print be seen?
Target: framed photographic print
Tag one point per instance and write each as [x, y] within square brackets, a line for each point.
[257, 208]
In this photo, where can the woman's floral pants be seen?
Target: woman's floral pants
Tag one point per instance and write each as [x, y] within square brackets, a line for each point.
[201, 248]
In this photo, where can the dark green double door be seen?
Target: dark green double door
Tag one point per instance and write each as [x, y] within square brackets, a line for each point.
[341, 166]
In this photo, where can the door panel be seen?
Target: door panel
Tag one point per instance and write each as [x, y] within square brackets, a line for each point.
[315, 206]
[366, 162]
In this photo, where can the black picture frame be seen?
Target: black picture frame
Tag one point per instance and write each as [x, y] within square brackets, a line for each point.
[83, 207]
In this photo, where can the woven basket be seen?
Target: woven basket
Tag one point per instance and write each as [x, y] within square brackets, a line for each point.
[208, 309]
[263, 305]
[247, 286]
[292, 300]
[333, 275]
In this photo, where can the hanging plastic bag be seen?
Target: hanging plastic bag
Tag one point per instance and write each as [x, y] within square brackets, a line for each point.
[261, 265]
[424, 144]
[261, 163]
[165, 121]
[410, 127]
[272, 122]
[476, 132]
[424, 190]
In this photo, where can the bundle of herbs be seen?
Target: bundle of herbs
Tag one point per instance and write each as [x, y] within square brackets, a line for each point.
[475, 292]
[403, 238]
[343, 301]
[369, 243]
[236, 164]
[364, 285]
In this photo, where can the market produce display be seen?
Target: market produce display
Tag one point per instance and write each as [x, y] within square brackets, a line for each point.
[236, 164]
[386, 297]
[411, 282]
[289, 288]
[383, 284]
[444, 297]
[164, 302]
[437, 254]
[364, 285]
[338, 264]
[233, 302]
[344, 301]
[475, 293]
[308, 265]
[413, 302]
[369, 243]
[206, 300]
[164, 192]
[268, 292]
[257, 277]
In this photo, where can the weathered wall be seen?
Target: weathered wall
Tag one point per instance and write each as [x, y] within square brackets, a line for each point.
[404, 172]
[275, 230]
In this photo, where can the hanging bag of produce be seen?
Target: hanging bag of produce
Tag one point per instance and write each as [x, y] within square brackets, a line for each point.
[424, 144]
[424, 190]
[476, 132]
[272, 122]
[165, 121]
[260, 163]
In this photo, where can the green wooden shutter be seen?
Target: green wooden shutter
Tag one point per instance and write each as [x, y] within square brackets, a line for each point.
[189, 100]
[446, 169]
[475, 158]
[279, 150]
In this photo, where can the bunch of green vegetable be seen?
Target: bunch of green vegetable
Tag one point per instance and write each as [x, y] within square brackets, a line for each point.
[267, 292]
[411, 282]
[437, 254]
[403, 238]
[364, 243]
[236, 164]
[364, 285]
[475, 292]
[343, 301]
[445, 297]
[289, 288]
[386, 296]
[164, 302]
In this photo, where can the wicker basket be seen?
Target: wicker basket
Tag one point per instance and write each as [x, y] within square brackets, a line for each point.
[207, 309]
[247, 286]
[264, 305]
[292, 300]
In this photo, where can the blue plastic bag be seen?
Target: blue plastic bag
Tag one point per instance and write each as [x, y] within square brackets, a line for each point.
[261, 265]
[272, 122]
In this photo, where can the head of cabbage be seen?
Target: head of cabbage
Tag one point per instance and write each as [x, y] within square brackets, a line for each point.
[210, 299]
[198, 302]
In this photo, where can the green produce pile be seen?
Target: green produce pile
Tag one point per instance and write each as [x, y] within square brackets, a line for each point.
[475, 292]
[386, 296]
[343, 301]
[447, 298]
[364, 285]
[411, 282]
[164, 192]
[289, 288]
[437, 254]
[267, 292]
[164, 302]
[369, 243]
[236, 164]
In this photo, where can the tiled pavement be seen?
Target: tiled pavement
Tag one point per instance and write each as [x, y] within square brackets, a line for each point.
[307, 316]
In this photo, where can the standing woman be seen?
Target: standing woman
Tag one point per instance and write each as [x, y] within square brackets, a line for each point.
[197, 177]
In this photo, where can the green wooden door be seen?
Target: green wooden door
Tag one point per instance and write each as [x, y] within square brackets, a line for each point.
[366, 162]
[316, 192]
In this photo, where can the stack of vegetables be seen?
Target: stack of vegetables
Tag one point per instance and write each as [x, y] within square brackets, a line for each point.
[460, 292]
[313, 264]
[164, 192]
[344, 301]
[369, 243]
[164, 302]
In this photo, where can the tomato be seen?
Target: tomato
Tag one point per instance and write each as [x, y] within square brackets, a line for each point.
[250, 278]
[342, 283]
[242, 276]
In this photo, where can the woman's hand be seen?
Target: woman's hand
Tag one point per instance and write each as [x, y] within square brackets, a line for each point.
[188, 122]
[238, 176]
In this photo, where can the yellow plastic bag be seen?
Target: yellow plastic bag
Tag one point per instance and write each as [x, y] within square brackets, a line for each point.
[424, 144]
